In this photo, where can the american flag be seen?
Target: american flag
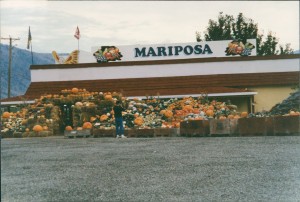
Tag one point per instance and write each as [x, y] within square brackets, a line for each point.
[77, 33]
[29, 38]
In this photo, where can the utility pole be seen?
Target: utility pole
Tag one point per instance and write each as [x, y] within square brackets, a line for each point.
[9, 62]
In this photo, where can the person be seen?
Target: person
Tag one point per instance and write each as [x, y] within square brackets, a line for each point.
[119, 119]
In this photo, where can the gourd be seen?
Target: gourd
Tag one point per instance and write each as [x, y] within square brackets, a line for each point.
[209, 113]
[87, 125]
[138, 121]
[74, 90]
[6, 115]
[37, 128]
[68, 128]
[103, 117]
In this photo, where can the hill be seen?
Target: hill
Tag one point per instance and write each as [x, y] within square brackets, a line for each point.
[20, 73]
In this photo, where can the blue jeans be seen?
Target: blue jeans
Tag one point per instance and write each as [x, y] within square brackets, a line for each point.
[119, 125]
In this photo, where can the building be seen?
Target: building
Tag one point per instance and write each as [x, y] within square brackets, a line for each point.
[253, 83]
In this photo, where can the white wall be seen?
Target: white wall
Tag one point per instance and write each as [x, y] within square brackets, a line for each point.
[165, 70]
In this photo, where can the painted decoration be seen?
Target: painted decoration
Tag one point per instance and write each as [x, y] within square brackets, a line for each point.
[107, 53]
[237, 47]
[71, 59]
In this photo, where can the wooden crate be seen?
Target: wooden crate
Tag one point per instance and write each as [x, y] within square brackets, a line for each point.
[286, 125]
[194, 128]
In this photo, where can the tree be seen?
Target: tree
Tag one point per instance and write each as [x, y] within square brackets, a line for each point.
[242, 28]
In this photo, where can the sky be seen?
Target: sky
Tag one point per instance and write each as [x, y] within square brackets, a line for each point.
[53, 23]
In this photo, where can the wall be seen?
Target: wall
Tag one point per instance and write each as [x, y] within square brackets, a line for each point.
[269, 96]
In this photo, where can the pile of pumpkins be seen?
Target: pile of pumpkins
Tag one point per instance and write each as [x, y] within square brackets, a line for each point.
[94, 110]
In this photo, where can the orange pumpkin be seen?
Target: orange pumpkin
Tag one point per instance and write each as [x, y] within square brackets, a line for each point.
[236, 117]
[27, 130]
[108, 97]
[138, 121]
[168, 113]
[79, 128]
[230, 116]
[74, 90]
[87, 125]
[103, 117]
[162, 112]
[222, 117]
[6, 115]
[92, 119]
[209, 113]
[45, 128]
[37, 128]
[244, 114]
[68, 128]
[188, 108]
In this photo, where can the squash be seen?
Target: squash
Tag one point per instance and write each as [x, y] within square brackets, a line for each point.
[244, 114]
[68, 128]
[74, 90]
[138, 121]
[6, 115]
[37, 128]
[103, 117]
[168, 113]
[209, 113]
[87, 125]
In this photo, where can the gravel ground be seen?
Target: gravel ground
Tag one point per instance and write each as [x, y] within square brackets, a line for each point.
[151, 169]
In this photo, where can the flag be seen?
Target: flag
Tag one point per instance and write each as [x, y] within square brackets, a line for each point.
[29, 38]
[77, 33]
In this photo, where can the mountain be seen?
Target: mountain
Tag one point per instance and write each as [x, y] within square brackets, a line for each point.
[20, 65]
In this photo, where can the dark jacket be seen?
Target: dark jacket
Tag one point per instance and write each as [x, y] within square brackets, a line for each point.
[118, 110]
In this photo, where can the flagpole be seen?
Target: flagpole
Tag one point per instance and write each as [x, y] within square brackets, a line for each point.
[31, 54]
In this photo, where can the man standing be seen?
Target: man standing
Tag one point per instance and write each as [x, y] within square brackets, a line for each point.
[119, 119]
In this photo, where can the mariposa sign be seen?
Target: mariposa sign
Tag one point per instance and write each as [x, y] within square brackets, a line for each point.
[175, 51]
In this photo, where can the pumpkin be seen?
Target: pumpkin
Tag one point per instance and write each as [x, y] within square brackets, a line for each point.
[293, 113]
[87, 125]
[138, 121]
[188, 108]
[68, 128]
[162, 112]
[79, 104]
[108, 97]
[6, 115]
[244, 114]
[209, 113]
[74, 90]
[230, 116]
[236, 117]
[45, 128]
[168, 113]
[79, 128]
[103, 117]
[92, 119]
[222, 117]
[37, 128]
[27, 129]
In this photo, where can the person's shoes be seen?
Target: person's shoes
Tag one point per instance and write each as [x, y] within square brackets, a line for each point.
[118, 136]
[123, 136]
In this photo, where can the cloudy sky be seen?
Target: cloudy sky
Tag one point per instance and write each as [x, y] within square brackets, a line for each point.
[53, 23]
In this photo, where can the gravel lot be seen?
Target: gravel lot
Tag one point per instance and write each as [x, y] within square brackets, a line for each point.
[151, 169]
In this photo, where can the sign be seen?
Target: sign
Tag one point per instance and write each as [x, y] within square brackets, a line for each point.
[205, 49]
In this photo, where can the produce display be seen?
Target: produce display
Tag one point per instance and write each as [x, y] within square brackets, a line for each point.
[52, 114]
